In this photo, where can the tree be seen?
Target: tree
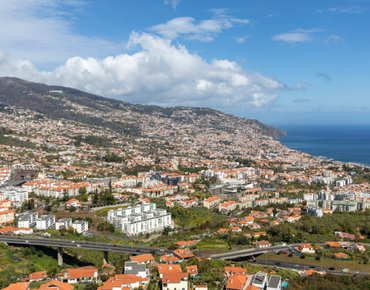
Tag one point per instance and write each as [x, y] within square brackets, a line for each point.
[71, 230]
[91, 286]
[65, 195]
[315, 229]
[101, 227]
[166, 230]
[110, 199]
[85, 197]
[110, 186]
[82, 190]
[96, 198]
[52, 272]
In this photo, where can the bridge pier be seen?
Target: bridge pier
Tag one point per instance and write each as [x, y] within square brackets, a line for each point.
[60, 256]
[105, 257]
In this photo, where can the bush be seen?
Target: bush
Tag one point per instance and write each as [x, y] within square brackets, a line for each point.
[290, 255]
[303, 256]
[318, 257]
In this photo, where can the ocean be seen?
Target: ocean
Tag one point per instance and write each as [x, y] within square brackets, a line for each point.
[346, 143]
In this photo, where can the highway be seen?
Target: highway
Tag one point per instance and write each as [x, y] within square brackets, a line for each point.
[82, 245]
[299, 267]
[248, 252]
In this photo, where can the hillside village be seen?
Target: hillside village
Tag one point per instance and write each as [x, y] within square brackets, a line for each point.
[193, 181]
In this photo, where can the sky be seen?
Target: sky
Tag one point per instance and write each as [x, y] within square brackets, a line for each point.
[279, 61]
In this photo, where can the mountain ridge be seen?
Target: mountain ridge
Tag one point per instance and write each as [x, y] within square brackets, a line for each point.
[38, 97]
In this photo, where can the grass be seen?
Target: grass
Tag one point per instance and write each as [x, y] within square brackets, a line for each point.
[337, 264]
[104, 211]
[197, 216]
[36, 285]
[213, 243]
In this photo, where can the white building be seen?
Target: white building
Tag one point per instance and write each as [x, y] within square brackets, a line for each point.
[27, 219]
[45, 222]
[16, 195]
[140, 219]
[65, 222]
[81, 226]
[173, 281]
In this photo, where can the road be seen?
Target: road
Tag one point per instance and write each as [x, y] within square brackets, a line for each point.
[82, 245]
[299, 267]
[248, 252]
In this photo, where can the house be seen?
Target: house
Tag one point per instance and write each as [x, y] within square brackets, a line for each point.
[248, 235]
[170, 259]
[340, 255]
[78, 275]
[333, 245]
[73, 202]
[359, 247]
[192, 270]
[80, 226]
[143, 259]
[262, 244]
[306, 273]
[306, 248]
[274, 283]
[133, 268]
[37, 276]
[183, 244]
[6, 216]
[45, 222]
[211, 202]
[236, 229]
[257, 234]
[173, 281]
[236, 282]
[255, 226]
[249, 220]
[234, 270]
[226, 207]
[183, 254]
[124, 282]
[18, 286]
[260, 280]
[166, 269]
[56, 285]
[9, 230]
[63, 222]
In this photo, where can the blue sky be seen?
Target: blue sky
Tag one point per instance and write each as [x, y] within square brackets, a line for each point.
[277, 61]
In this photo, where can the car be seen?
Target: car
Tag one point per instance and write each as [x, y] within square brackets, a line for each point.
[109, 249]
[312, 267]
[114, 245]
[284, 252]
[345, 270]
[87, 242]
[277, 264]
[332, 268]
[296, 266]
[161, 250]
[73, 242]
[356, 272]
[27, 241]
[18, 238]
[79, 246]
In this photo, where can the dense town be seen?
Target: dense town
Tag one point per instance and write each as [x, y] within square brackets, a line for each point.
[199, 186]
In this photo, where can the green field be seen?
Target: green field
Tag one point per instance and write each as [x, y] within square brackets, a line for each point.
[104, 211]
[213, 243]
[337, 264]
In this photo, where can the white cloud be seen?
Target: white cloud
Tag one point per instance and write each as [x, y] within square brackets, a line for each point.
[159, 73]
[350, 10]
[173, 3]
[318, 11]
[292, 37]
[241, 39]
[298, 35]
[40, 30]
[205, 30]
[332, 39]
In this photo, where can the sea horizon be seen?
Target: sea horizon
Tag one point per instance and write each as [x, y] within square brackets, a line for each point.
[349, 143]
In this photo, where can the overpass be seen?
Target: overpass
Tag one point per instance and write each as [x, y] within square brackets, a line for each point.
[249, 252]
[60, 244]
